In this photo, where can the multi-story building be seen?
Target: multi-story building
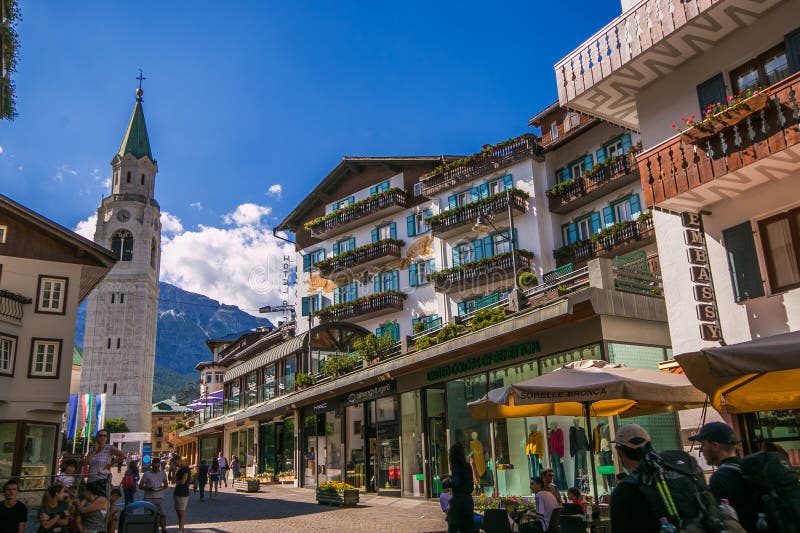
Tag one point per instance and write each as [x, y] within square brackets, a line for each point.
[713, 89]
[45, 272]
[164, 415]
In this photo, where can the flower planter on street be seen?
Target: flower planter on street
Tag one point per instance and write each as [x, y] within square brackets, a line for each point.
[345, 497]
[246, 485]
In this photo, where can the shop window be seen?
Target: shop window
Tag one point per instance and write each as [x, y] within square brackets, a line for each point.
[8, 354]
[39, 451]
[473, 434]
[768, 68]
[411, 422]
[52, 294]
[45, 358]
[8, 438]
[780, 242]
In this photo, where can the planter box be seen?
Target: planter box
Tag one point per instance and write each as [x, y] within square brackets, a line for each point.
[347, 497]
[246, 486]
[725, 119]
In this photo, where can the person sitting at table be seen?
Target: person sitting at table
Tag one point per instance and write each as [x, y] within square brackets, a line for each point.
[545, 504]
[574, 495]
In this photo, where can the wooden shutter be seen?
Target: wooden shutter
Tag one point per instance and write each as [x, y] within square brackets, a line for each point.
[374, 234]
[431, 265]
[626, 143]
[596, 222]
[477, 245]
[743, 262]
[395, 280]
[792, 43]
[337, 295]
[711, 91]
[588, 162]
[608, 215]
[307, 263]
[336, 248]
[572, 232]
[462, 308]
[475, 194]
[373, 190]
[411, 226]
[393, 230]
[456, 252]
[352, 241]
[413, 276]
[636, 207]
[487, 245]
[452, 203]
[305, 311]
[600, 155]
[508, 181]
[376, 283]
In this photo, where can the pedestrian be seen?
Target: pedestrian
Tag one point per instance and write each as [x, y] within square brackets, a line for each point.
[94, 508]
[53, 513]
[113, 518]
[630, 509]
[546, 503]
[223, 467]
[153, 483]
[100, 458]
[548, 475]
[202, 478]
[213, 477]
[67, 475]
[180, 496]
[13, 513]
[130, 482]
[235, 468]
[460, 510]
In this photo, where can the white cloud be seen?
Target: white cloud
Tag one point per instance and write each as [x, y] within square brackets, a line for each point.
[63, 171]
[196, 205]
[170, 223]
[86, 227]
[247, 214]
[275, 190]
[19, 168]
[1, 150]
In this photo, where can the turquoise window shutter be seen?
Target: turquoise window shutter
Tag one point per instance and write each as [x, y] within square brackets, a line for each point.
[600, 155]
[411, 226]
[376, 283]
[572, 231]
[608, 215]
[431, 265]
[414, 322]
[412, 275]
[596, 226]
[452, 203]
[374, 234]
[396, 331]
[588, 162]
[305, 311]
[379, 331]
[336, 248]
[488, 246]
[516, 238]
[475, 193]
[636, 207]
[462, 308]
[353, 291]
[337, 295]
[508, 181]
[351, 200]
[307, 263]
[373, 190]
[395, 280]
[456, 256]
[626, 142]
[484, 190]
[478, 247]
[352, 243]
[393, 230]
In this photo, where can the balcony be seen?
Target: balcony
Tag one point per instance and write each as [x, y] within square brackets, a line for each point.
[355, 215]
[613, 241]
[11, 306]
[363, 308]
[462, 218]
[361, 258]
[597, 182]
[482, 272]
[480, 164]
[688, 177]
[603, 76]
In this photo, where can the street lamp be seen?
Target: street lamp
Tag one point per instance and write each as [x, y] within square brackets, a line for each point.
[484, 224]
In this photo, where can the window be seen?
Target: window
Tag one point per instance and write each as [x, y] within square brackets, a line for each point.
[385, 231]
[311, 258]
[710, 92]
[105, 388]
[427, 321]
[467, 253]
[289, 370]
[153, 253]
[219, 376]
[119, 342]
[766, 69]
[311, 304]
[386, 281]
[571, 120]
[129, 177]
[45, 358]
[52, 293]
[113, 294]
[614, 149]
[743, 262]
[115, 389]
[577, 169]
[344, 245]
[345, 293]
[501, 243]
[417, 224]
[623, 210]
[108, 343]
[269, 381]
[584, 227]
[142, 179]
[8, 354]
[3, 233]
[122, 297]
[418, 272]
[417, 189]
[343, 203]
[379, 188]
[209, 377]
[499, 185]
[122, 245]
[780, 240]
[463, 198]
[553, 131]
[389, 328]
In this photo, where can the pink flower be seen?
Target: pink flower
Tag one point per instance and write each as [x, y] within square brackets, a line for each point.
[730, 98]
[683, 119]
[691, 117]
[673, 125]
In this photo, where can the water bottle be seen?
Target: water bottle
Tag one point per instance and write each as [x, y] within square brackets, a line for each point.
[761, 523]
[725, 508]
[666, 527]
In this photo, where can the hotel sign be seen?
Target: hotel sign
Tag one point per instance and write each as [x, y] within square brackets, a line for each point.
[484, 361]
[700, 271]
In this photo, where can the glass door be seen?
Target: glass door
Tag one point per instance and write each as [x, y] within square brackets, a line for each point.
[356, 461]
[266, 449]
[387, 452]
[437, 464]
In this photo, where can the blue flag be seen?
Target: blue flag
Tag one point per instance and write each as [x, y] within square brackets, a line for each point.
[72, 414]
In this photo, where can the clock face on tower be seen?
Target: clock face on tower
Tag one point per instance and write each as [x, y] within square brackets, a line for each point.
[123, 216]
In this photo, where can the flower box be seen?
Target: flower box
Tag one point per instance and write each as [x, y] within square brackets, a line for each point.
[345, 497]
[246, 485]
[724, 119]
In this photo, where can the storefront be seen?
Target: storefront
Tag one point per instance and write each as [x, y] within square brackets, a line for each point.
[773, 431]
[242, 445]
[276, 449]
[28, 449]
[210, 446]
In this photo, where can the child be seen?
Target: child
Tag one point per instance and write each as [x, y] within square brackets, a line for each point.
[67, 476]
[574, 496]
[113, 512]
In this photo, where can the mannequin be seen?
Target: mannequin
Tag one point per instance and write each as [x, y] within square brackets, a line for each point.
[476, 454]
[555, 440]
[578, 446]
[602, 448]
[534, 450]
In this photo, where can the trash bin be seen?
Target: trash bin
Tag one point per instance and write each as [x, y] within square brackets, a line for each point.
[140, 517]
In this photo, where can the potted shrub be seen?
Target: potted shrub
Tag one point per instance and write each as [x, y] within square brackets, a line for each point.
[527, 280]
[246, 484]
[370, 347]
[336, 492]
[303, 380]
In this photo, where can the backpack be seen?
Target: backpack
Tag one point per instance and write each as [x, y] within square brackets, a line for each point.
[775, 489]
[676, 489]
[128, 482]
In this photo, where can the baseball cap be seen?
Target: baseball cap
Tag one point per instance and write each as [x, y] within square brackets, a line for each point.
[716, 432]
[631, 436]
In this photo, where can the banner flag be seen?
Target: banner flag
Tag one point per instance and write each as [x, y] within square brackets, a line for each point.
[88, 406]
[72, 414]
[100, 412]
[80, 416]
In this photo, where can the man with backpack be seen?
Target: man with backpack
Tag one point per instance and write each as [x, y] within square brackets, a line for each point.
[630, 509]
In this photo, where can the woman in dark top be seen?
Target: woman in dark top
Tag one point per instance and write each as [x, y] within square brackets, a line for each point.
[459, 515]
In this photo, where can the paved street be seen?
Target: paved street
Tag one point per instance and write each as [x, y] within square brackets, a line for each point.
[289, 509]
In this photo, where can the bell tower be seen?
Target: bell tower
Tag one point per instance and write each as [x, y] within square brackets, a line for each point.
[122, 311]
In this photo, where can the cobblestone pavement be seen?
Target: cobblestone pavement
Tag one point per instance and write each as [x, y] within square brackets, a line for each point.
[287, 509]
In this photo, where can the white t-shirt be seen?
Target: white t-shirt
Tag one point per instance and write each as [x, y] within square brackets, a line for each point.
[153, 484]
[545, 503]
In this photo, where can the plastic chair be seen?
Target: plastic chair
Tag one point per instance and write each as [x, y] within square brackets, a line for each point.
[496, 521]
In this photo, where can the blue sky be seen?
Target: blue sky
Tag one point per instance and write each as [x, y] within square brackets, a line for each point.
[244, 96]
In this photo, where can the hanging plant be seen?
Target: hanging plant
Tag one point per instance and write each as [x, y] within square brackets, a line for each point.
[476, 264]
[352, 207]
[472, 205]
[331, 261]
[486, 152]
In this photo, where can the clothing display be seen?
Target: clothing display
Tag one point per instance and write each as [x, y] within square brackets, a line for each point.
[534, 449]
[578, 446]
[602, 448]
[555, 440]
[560, 478]
[476, 451]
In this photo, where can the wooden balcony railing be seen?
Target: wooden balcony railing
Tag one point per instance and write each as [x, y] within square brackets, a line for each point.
[674, 167]
[480, 164]
[11, 305]
[358, 212]
[468, 214]
[482, 272]
[608, 243]
[358, 259]
[366, 307]
[598, 182]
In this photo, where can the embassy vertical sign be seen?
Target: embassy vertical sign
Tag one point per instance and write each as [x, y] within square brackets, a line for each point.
[703, 288]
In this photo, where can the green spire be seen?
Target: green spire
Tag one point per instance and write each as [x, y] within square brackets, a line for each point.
[136, 141]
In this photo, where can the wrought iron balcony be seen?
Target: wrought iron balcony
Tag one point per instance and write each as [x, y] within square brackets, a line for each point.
[11, 305]
[363, 308]
[455, 220]
[599, 181]
[619, 239]
[688, 173]
[482, 272]
[481, 164]
[361, 258]
[377, 206]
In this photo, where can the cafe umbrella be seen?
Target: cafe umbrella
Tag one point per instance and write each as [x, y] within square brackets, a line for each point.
[590, 388]
[756, 375]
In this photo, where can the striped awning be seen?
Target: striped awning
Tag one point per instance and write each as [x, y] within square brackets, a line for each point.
[270, 355]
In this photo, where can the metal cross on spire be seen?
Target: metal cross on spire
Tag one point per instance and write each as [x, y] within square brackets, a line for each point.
[140, 78]
[139, 91]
